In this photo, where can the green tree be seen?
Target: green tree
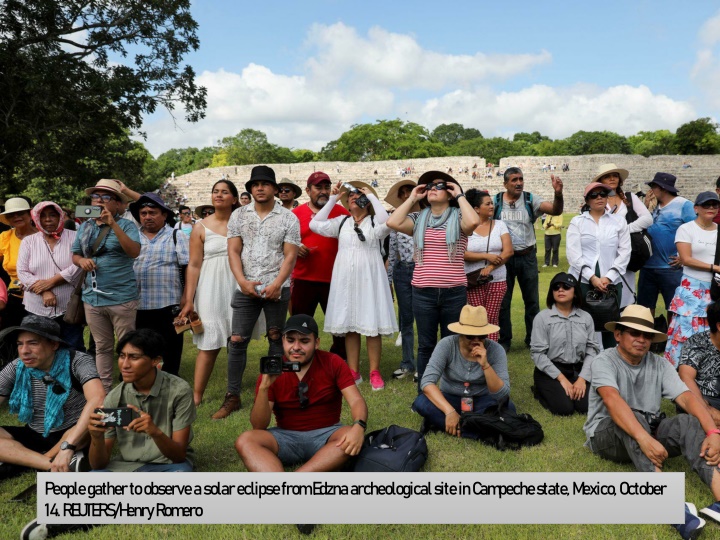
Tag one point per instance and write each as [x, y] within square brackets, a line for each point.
[531, 138]
[248, 147]
[597, 142]
[449, 134]
[698, 137]
[492, 149]
[653, 143]
[76, 74]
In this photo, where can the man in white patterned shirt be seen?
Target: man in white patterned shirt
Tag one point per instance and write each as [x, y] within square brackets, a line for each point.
[263, 241]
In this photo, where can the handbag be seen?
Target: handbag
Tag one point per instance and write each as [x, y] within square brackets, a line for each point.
[393, 449]
[640, 242]
[498, 426]
[714, 287]
[474, 278]
[75, 311]
[603, 307]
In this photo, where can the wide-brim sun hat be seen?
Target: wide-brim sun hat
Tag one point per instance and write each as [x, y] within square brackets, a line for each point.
[394, 200]
[429, 176]
[42, 326]
[357, 184]
[157, 202]
[109, 185]
[296, 189]
[639, 318]
[16, 204]
[607, 168]
[665, 181]
[595, 185]
[200, 209]
[473, 322]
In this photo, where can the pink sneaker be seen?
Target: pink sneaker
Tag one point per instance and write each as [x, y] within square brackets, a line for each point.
[356, 377]
[376, 380]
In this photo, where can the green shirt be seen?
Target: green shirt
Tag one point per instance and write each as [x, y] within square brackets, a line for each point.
[169, 402]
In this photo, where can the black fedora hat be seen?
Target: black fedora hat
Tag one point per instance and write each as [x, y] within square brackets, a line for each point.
[260, 173]
[665, 181]
[42, 326]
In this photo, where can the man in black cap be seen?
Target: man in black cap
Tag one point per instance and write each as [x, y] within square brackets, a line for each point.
[307, 406]
[53, 390]
[662, 271]
[263, 240]
[159, 271]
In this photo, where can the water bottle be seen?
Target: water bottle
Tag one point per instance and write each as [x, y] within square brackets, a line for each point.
[466, 401]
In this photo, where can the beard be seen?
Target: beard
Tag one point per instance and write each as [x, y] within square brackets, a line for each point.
[321, 201]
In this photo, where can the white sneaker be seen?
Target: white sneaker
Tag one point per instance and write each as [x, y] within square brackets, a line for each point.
[544, 265]
[401, 373]
[398, 341]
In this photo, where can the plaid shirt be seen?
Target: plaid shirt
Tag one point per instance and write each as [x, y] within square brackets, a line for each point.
[156, 269]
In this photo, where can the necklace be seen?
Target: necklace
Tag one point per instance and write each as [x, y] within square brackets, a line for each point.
[704, 228]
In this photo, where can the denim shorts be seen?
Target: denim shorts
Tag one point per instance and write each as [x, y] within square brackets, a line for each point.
[300, 446]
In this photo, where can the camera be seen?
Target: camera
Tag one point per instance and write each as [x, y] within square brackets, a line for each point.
[361, 201]
[274, 365]
[85, 211]
[117, 416]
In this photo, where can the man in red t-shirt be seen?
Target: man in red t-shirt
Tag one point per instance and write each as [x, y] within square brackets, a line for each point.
[316, 257]
[307, 407]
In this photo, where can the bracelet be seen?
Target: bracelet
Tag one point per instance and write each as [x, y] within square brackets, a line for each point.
[712, 268]
[713, 432]
[486, 368]
[453, 411]
[460, 195]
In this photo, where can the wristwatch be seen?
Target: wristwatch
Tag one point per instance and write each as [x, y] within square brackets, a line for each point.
[67, 446]
[361, 423]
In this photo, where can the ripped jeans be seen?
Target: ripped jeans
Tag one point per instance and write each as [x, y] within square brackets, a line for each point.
[246, 311]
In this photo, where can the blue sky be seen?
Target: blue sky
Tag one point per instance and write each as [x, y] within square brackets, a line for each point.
[304, 72]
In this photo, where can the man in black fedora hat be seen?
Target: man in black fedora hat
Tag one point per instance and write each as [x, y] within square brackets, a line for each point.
[53, 390]
[662, 271]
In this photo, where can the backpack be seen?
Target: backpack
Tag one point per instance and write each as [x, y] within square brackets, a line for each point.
[528, 206]
[641, 241]
[393, 449]
[500, 427]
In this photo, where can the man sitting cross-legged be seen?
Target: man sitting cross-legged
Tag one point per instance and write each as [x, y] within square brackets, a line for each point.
[53, 390]
[307, 407]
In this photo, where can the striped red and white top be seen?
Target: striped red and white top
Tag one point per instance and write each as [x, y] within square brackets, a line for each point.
[36, 261]
[437, 270]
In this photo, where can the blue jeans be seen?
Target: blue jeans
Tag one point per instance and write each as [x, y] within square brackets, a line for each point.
[246, 310]
[72, 333]
[427, 409]
[402, 276]
[434, 307]
[654, 280]
[525, 268]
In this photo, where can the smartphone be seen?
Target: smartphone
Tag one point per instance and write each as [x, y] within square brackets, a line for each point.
[117, 416]
[85, 211]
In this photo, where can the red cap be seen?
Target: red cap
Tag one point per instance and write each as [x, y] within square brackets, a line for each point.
[317, 177]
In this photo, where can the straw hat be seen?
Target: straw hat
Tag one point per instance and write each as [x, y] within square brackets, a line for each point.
[639, 318]
[16, 204]
[357, 184]
[201, 208]
[607, 168]
[473, 322]
[395, 201]
[111, 186]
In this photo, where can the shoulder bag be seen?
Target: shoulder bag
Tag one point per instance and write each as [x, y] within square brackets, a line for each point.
[640, 242]
[474, 278]
[75, 311]
[714, 287]
[498, 426]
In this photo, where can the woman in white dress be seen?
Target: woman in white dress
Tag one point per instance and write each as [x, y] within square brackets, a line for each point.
[209, 281]
[360, 302]
[618, 203]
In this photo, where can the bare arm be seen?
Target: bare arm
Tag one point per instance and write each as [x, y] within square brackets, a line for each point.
[710, 448]
[235, 246]
[452, 417]
[352, 441]
[554, 208]
[399, 219]
[261, 412]
[274, 290]
[685, 252]
[192, 274]
[687, 375]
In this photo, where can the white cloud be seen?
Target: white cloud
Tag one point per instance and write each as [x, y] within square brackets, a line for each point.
[350, 78]
[706, 71]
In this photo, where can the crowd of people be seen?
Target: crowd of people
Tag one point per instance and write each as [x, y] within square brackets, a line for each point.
[138, 279]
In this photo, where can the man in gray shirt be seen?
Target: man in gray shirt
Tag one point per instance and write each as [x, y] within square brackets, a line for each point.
[624, 421]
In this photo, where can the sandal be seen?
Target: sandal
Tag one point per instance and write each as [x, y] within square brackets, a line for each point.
[182, 324]
[196, 324]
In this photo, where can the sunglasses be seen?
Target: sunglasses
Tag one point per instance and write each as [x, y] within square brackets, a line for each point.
[56, 386]
[103, 198]
[93, 284]
[285, 190]
[470, 338]
[595, 194]
[563, 286]
[185, 213]
[438, 186]
[637, 333]
[302, 394]
[206, 213]
[359, 232]
[149, 205]
[710, 204]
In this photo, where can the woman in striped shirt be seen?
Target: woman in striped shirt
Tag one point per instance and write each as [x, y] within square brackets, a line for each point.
[440, 232]
[46, 270]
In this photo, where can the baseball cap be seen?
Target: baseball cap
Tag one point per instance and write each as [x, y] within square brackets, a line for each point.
[304, 324]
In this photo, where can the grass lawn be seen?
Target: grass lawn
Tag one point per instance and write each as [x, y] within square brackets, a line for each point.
[562, 451]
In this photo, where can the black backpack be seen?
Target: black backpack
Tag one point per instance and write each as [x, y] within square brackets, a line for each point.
[502, 428]
[393, 449]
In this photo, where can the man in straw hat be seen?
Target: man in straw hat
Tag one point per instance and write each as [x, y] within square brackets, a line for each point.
[466, 360]
[663, 271]
[288, 193]
[316, 256]
[53, 390]
[110, 294]
[401, 265]
[624, 421]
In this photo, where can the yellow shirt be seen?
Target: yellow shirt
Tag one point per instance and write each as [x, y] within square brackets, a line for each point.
[10, 249]
[553, 224]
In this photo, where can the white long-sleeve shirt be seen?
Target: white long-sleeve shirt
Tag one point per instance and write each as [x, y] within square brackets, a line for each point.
[606, 243]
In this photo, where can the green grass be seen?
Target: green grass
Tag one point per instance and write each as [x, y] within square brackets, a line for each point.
[561, 451]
